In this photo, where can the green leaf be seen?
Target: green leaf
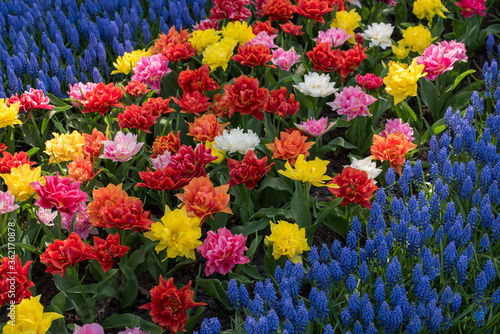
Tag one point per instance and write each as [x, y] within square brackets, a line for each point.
[129, 287]
[334, 143]
[215, 289]
[338, 224]
[275, 183]
[460, 99]
[131, 321]
[59, 301]
[410, 111]
[428, 93]
[300, 204]
[32, 151]
[138, 256]
[253, 247]
[251, 227]
[323, 213]
[191, 322]
[274, 213]
[251, 271]
[459, 79]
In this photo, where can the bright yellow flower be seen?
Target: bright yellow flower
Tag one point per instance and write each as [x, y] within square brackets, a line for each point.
[126, 63]
[428, 9]
[287, 239]
[30, 318]
[218, 54]
[401, 51]
[64, 147]
[238, 30]
[417, 38]
[347, 21]
[8, 115]
[19, 179]
[307, 171]
[203, 38]
[401, 81]
[215, 152]
[176, 232]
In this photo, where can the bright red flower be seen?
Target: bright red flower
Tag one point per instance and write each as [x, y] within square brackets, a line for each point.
[322, 57]
[278, 103]
[60, 192]
[354, 186]
[246, 97]
[205, 128]
[198, 80]
[19, 280]
[177, 52]
[340, 3]
[292, 29]
[136, 89]
[202, 199]
[278, 10]
[102, 98]
[168, 305]
[63, 253]
[169, 143]
[9, 161]
[93, 144]
[248, 171]
[157, 106]
[135, 117]
[252, 55]
[193, 103]
[192, 162]
[347, 61]
[34, 99]
[3, 147]
[185, 165]
[233, 10]
[126, 214]
[105, 251]
[260, 26]
[313, 9]
[112, 207]
[369, 81]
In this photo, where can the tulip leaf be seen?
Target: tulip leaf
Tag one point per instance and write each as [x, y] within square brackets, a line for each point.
[275, 183]
[131, 321]
[129, 287]
[300, 204]
[459, 79]
[251, 227]
[215, 289]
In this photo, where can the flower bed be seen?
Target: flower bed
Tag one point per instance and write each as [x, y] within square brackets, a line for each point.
[303, 167]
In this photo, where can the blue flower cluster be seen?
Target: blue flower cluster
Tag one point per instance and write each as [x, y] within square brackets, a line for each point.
[490, 71]
[49, 44]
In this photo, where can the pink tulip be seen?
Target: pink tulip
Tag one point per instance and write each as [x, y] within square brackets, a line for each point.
[315, 127]
[352, 102]
[150, 70]
[223, 251]
[122, 148]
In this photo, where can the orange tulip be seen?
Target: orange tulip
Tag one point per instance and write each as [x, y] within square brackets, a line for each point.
[393, 148]
[290, 146]
[202, 199]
